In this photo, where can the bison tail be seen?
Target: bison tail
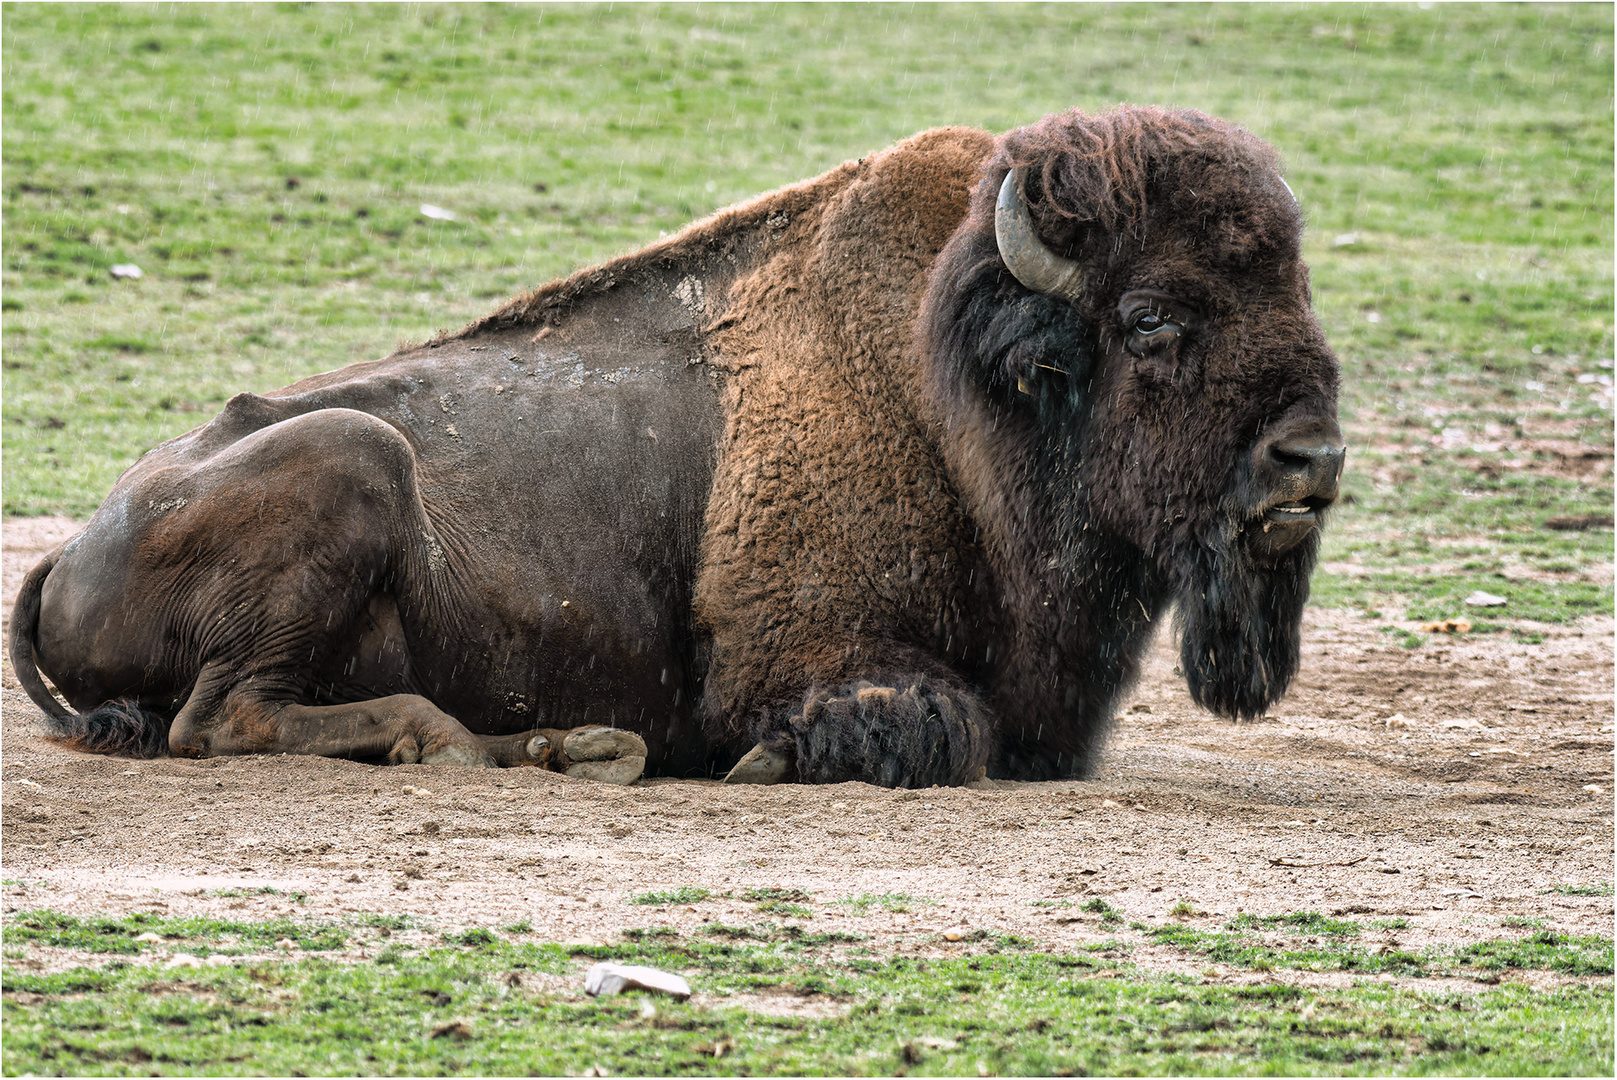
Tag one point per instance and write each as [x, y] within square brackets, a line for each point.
[123, 728]
[24, 631]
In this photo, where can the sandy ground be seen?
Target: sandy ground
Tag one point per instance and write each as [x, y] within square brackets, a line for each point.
[1452, 785]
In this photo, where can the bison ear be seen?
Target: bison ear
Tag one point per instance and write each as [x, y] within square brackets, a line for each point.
[1025, 255]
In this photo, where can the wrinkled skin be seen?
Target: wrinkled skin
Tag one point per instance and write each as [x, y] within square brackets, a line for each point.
[818, 477]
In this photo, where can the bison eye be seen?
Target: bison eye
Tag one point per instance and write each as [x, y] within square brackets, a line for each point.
[1151, 323]
[1152, 334]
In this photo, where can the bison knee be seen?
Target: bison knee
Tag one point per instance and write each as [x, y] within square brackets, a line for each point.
[909, 733]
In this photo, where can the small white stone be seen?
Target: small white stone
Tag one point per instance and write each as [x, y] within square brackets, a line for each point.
[1485, 599]
[607, 978]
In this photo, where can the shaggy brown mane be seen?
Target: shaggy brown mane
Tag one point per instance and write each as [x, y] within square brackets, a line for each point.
[1098, 174]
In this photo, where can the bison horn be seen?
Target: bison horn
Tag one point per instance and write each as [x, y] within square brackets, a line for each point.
[1290, 192]
[1025, 255]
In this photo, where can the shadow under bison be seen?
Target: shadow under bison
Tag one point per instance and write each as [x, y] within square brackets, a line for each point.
[889, 475]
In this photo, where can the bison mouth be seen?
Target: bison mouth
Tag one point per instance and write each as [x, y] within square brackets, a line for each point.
[1282, 526]
[1296, 512]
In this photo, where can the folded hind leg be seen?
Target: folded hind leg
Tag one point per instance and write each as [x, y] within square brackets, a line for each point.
[224, 716]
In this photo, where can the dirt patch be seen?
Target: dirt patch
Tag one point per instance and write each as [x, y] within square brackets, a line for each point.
[1452, 787]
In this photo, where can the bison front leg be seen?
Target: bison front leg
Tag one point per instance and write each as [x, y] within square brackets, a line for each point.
[900, 732]
[592, 753]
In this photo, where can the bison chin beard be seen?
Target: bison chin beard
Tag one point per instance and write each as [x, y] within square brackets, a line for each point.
[1240, 621]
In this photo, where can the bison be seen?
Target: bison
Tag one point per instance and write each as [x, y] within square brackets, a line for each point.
[890, 475]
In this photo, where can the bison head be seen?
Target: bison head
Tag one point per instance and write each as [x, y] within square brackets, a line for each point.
[1122, 338]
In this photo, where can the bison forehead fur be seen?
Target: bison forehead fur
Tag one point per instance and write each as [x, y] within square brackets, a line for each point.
[821, 476]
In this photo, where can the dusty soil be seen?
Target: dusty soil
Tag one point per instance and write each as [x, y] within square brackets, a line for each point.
[1452, 785]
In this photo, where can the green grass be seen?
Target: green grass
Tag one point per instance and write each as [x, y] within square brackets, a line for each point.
[898, 903]
[1297, 922]
[1298, 946]
[477, 1009]
[260, 890]
[1107, 913]
[1597, 888]
[117, 935]
[685, 894]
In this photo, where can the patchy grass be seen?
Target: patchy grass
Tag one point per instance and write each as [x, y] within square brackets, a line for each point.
[898, 903]
[119, 934]
[785, 903]
[259, 890]
[1545, 950]
[478, 1009]
[1298, 922]
[685, 894]
[1107, 913]
[1295, 942]
[1597, 888]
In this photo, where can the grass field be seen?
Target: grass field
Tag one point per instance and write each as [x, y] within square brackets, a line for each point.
[407, 1000]
[266, 169]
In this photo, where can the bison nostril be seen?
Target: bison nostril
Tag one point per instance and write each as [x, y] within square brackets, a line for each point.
[1290, 458]
[1311, 458]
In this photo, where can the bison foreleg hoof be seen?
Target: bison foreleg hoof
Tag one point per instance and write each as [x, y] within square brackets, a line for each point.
[766, 763]
[912, 733]
[606, 755]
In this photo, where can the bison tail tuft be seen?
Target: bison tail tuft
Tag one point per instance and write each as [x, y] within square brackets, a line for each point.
[121, 728]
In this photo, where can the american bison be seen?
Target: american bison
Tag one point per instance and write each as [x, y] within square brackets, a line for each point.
[890, 475]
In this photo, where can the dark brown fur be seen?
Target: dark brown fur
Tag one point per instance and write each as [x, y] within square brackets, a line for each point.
[933, 525]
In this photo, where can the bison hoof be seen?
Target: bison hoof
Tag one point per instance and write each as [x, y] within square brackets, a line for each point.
[602, 744]
[605, 755]
[763, 764]
[538, 748]
[622, 771]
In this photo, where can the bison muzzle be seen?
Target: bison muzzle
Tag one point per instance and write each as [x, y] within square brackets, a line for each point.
[890, 475]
